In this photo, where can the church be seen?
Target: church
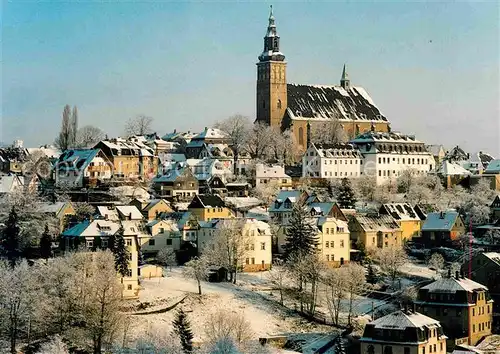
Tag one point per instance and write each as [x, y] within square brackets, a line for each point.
[295, 106]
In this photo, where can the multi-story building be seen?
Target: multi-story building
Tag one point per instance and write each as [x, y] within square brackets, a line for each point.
[161, 234]
[94, 235]
[387, 155]
[272, 174]
[332, 161]
[130, 159]
[333, 239]
[208, 206]
[403, 332]
[406, 217]
[83, 167]
[442, 228]
[463, 307]
[177, 184]
[152, 208]
[374, 231]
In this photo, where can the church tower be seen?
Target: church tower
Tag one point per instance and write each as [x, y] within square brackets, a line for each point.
[271, 79]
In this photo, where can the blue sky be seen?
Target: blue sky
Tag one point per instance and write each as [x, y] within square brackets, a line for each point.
[431, 67]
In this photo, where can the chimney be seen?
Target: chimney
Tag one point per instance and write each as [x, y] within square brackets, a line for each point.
[462, 274]
[175, 130]
[130, 216]
[457, 275]
[206, 128]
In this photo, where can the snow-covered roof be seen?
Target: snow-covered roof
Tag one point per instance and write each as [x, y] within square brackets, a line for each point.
[451, 285]
[211, 133]
[493, 167]
[93, 229]
[331, 102]
[372, 222]
[279, 203]
[485, 158]
[493, 256]
[443, 221]
[52, 208]
[77, 159]
[138, 147]
[401, 320]
[390, 137]
[401, 211]
[129, 211]
[452, 169]
[270, 171]
[336, 150]
[243, 202]
[457, 154]
[48, 150]
[108, 212]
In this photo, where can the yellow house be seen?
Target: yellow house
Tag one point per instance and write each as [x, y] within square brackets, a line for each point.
[60, 210]
[406, 217]
[161, 234]
[374, 231]
[155, 207]
[403, 332]
[94, 235]
[333, 241]
[207, 207]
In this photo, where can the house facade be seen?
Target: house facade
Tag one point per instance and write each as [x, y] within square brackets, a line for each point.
[406, 217]
[442, 228]
[463, 307]
[332, 161]
[179, 185]
[272, 174]
[94, 235]
[387, 155]
[403, 332]
[374, 231]
[209, 206]
[82, 167]
[161, 234]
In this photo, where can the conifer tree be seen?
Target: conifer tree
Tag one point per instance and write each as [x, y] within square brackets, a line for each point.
[10, 243]
[301, 234]
[345, 196]
[46, 244]
[121, 253]
[182, 328]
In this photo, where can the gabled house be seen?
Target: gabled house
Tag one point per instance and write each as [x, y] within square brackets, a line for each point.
[60, 211]
[152, 208]
[406, 217]
[333, 240]
[442, 228]
[374, 231]
[452, 173]
[209, 206]
[161, 234]
[495, 208]
[238, 189]
[403, 332]
[187, 224]
[95, 235]
[179, 185]
[82, 167]
[272, 174]
[463, 307]
[438, 152]
[120, 212]
[199, 142]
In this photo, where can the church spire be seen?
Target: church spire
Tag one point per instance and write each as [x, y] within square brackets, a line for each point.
[271, 42]
[344, 80]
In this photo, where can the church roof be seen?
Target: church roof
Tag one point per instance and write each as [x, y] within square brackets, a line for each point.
[327, 102]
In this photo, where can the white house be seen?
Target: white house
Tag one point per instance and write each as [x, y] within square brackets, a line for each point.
[332, 161]
[272, 174]
[387, 155]
[77, 168]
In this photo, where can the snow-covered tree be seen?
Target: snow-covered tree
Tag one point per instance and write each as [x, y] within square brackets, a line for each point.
[345, 195]
[277, 276]
[301, 234]
[140, 125]
[354, 282]
[197, 269]
[121, 253]
[54, 346]
[88, 136]
[166, 256]
[259, 141]
[238, 129]
[436, 261]
[223, 324]
[391, 259]
[328, 132]
[182, 328]
[334, 281]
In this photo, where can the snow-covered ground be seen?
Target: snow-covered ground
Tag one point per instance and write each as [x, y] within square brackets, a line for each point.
[265, 317]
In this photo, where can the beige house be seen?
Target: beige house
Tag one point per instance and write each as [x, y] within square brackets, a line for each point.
[403, 332]
[94, 235]
[273, 175]
[333, 240]
[161, 234]
[374, 231]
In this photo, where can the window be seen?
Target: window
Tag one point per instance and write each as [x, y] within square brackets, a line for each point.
[341, 243]
[129, 256]
[301, 136]
[262, 246]
[129, 287]
[128, 242]
[473, 312]
[247, 261]
[90, 244]
[473, 328]
[327, 243]
[104, 243]
[279, 104]
[332, 244]
[434, 347]
[327, 258]
[129, 272]
[441, 346]
[169, 242]
[253, 260]
[370, 350]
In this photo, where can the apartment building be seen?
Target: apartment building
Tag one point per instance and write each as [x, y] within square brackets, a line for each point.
[374, 231]
[332, 161]
[178, 184]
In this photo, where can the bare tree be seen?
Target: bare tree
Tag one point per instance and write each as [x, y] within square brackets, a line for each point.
[436, 262]
[266, 192]
[238, 129]
[166, 256]
[197, 269]
[283, 147]
[277, 276]
[365, 188]
[18, 294]
[54, 346]
[229, 246]
[355, 281]
[224, 324]
[328, 132]
[88, 136]
[391, 259]
[259, 141]
[73, 126]
[64, 139]
[140, 125]
[335, 282]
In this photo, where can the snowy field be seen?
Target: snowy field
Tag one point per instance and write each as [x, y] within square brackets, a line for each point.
[265, 317]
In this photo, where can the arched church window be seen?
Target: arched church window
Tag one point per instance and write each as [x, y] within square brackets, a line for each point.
[279, 104]
[301, 136]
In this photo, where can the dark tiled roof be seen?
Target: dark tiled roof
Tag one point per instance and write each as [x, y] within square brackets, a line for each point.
[331, 102]
[207, 201]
